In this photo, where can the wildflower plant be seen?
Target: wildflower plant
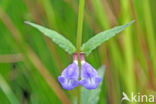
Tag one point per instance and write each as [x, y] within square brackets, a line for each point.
[79, 72]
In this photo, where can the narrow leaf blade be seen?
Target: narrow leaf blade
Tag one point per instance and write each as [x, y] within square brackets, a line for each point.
[92, 96]
[7, 91]
[98, 39]
[56, 37]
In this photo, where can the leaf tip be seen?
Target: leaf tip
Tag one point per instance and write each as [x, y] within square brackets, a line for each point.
[132, 21]
[26, 22]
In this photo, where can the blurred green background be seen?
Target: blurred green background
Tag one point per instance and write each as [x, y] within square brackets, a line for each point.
[31, 62]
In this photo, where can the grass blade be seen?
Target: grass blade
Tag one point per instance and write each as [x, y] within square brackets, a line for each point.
[8, 92]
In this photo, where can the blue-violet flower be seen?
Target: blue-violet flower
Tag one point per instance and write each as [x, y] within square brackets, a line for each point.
[69, 78]
[89, 76]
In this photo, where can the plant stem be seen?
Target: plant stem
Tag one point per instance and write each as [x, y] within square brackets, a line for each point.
[79, 40]
[80, 24]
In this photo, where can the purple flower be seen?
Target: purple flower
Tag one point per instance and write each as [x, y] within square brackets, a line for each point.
[89, 76]
[69, 78]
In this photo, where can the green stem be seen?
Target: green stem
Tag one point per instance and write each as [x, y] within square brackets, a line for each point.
[80, 24]
[79, 39]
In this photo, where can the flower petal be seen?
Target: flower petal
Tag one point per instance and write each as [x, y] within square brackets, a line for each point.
[72, 71]
[89, 76]
[69, 77]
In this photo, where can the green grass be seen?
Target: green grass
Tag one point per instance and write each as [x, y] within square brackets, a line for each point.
[32, 78]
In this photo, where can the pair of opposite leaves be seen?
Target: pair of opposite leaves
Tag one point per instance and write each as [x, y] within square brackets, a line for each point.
[70, 75]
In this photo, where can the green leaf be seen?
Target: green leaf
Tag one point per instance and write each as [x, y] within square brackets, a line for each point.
[92, 96]
[98, 39]
[56, 37]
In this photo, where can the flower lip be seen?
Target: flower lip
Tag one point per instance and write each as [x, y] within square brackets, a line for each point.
[67, 83]
[91, 83]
